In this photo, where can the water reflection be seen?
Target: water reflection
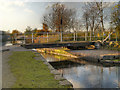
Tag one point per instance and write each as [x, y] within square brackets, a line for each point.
[84, 74]
[89, 76]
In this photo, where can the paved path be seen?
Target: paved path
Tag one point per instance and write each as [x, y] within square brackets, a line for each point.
[97, 54]
[7, 77]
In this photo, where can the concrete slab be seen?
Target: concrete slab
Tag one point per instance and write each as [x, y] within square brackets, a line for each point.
[65, 82]
[59, 77]
[37, 58]
[55, 72]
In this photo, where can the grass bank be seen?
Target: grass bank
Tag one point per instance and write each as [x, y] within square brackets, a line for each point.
[31, 73]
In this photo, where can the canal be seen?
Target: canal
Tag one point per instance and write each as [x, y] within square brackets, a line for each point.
[83, 74]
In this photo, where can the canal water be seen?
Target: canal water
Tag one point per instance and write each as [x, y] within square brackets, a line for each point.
[83, 74]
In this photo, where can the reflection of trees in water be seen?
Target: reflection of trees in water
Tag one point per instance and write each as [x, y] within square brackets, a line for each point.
[95, 74]
[117, 75]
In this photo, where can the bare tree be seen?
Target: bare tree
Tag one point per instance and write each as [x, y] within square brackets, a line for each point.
[100, 9]
[94, 16]
[91, 18]
[59, 18]
[115, 18]
[86, 21]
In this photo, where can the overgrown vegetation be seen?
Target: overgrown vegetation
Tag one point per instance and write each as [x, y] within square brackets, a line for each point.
[31, 73]
[112, 46]
[56, 51]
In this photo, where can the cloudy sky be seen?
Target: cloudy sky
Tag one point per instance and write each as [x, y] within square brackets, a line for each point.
[18, 14]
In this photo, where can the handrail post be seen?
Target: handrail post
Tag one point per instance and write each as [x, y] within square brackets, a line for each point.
[32, 37]
[116, 37]
[90, 35]
[85, 36]
[47, 36]
[39, 39]
[74, 36]
[24, 38]
[61, 37]
[16, 38]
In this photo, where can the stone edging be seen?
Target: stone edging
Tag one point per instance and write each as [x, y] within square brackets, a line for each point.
[3, 50]
[57, 75]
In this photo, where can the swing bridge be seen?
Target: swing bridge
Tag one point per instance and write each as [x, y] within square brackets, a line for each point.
[58, 39]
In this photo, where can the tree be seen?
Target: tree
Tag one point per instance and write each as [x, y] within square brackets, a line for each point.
[45, 27]
[91, 17]
[15, 32]
[115, 18]
[94, 17]
[60, 18]
[101, 6]
[100, 9]
[28, 30]
[86, 21]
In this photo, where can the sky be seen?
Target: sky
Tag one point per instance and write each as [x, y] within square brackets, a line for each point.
[18, 14]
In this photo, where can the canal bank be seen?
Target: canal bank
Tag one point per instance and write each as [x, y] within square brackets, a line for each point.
[100, 56]
[30, 71]
[91, 55]
[84, 74]
[77, 74]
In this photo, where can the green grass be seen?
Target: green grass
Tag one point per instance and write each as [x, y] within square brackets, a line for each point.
[116, 60]
[31, 73]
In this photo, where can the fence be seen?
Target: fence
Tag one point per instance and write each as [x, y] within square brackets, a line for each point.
[54, 37]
